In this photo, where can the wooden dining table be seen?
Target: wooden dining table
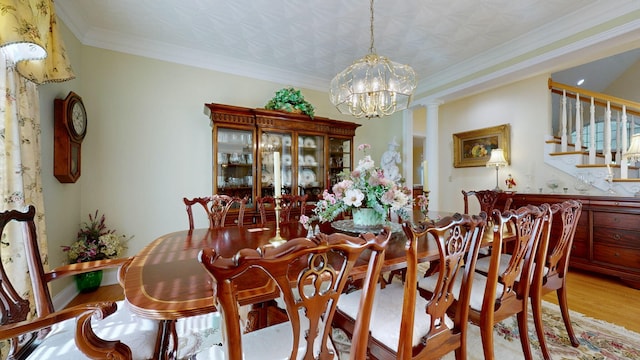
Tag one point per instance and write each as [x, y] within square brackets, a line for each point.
[166, 282]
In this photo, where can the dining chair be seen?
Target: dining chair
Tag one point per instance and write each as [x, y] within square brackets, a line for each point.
[311, 275]
[289, 204]
[216, 207]
[404, 323]
[487, 199]
[501, 291]
[552, 268]
[68, 333]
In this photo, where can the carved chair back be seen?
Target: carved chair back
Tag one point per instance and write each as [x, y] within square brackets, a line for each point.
[310, 274]
[25, 335]
[458, 239]
[216, 207]
[291, 207]
[508, 281]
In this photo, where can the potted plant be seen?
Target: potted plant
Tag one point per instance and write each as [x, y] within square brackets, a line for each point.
[290, 100]
[94, 242]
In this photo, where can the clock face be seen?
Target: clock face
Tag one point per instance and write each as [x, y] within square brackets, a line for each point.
[78, 119]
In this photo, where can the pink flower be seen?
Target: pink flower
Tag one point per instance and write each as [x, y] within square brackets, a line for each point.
[363, 147]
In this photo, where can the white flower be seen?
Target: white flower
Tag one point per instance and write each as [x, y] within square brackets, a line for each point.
[365, 164]
[353, 197]
[397, 199]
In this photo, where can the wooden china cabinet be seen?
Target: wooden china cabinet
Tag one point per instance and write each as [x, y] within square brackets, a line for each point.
[312, 152]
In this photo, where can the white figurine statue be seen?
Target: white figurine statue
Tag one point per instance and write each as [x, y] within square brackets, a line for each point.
[388, 162]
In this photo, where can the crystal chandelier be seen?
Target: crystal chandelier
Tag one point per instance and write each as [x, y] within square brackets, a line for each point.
[373, 86]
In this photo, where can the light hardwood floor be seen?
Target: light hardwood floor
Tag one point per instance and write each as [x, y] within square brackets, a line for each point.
[593, 295]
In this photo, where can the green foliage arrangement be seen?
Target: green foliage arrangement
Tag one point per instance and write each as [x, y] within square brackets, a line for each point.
[291, 100]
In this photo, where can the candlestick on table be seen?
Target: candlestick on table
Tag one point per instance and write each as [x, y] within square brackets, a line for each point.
[277, 175]
[277, 189]
[425, 179]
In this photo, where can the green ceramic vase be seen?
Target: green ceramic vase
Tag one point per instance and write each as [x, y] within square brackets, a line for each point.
[366, 217]
[88, 282]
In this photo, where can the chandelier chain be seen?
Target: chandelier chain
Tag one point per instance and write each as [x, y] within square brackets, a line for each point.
[371, 48]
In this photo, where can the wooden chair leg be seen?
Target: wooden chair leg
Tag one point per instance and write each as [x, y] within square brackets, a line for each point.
[564, 309]
[536, 307]
[486, 333]
[524, 334]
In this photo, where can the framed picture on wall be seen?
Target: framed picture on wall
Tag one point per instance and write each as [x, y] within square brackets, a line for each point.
[473, 148]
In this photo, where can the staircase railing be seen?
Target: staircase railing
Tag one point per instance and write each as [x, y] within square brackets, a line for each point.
[587, 120]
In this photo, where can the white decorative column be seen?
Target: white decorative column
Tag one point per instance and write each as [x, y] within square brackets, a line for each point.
[432, 153]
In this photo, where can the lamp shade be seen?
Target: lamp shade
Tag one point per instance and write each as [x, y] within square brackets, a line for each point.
[633, 153]
[497, 158]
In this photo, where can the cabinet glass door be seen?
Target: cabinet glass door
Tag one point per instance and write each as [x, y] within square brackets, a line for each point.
[234, 169]
[270, 143]
[339, 159]
[311, 171]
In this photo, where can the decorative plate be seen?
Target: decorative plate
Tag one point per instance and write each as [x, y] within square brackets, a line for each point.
[307, 177]
[309, 142]
[286, 159]
[310, 160]
[286, 140]
[349, 226]
[286, 177]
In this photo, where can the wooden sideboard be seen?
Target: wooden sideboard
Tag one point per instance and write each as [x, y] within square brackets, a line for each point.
[607, 239]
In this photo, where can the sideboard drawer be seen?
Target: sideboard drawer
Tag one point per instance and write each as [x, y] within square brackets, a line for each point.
[617, 247]
[616, 220]
[617, 256]
[616, 237]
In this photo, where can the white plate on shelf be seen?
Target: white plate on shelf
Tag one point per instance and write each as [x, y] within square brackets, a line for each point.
[286, 140]
[286, 159]
[309, 142]
[307, 177]
[266, 178]
[310, 160]
[286, 178]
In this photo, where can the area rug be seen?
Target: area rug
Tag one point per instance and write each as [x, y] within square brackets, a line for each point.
[599, 340]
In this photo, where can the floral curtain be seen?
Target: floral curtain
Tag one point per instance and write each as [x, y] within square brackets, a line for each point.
[31, 53]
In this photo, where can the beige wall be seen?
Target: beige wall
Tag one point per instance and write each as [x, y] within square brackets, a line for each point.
[626, 85]
[524, 105]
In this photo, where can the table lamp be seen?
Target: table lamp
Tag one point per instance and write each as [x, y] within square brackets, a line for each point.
[633, 153]
[497, 159]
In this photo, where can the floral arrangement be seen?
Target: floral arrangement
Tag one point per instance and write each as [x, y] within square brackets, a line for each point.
[364, 187]
[423, 203]
[291, 100]
[96, 242]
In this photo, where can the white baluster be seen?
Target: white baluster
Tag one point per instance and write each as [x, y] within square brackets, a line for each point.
[578, 144]
[624, 163]
[563, 138]
[618, 151]
[607, 134]
[592, 133]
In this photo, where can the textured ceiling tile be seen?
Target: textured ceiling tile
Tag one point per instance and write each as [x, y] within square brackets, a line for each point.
[320, 38]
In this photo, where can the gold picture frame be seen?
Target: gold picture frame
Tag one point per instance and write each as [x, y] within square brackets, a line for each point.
[473, 148]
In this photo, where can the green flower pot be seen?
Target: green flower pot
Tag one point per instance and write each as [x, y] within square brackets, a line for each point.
[366, 217]
[88, 282]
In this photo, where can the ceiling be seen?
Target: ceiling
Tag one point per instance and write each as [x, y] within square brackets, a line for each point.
[455, 46]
